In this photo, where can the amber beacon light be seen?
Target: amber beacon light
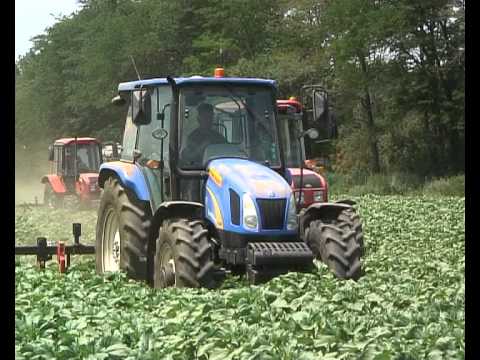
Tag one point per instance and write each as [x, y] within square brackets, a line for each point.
[219, 72]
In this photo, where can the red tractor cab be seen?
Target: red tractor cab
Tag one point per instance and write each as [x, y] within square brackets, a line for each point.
[74, 167]
[315, 187]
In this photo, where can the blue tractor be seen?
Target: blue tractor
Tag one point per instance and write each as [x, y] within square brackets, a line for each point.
[201, 189]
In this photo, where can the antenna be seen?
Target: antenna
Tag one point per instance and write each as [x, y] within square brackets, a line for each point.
[221, 57]
[135, 66]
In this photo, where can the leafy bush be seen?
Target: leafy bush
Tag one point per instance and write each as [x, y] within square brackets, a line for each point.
[408, 305]
[395, 184]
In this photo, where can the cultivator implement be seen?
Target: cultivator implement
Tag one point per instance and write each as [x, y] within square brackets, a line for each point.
[44, 250]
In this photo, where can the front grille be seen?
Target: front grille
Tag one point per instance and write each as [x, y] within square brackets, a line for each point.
[272, 213]
[235, 207]
[309, 180]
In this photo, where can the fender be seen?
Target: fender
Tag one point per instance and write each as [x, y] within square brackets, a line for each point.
[55, 182]
[176, 209]
[324, 182]
[320, 211]
[130, 176]
[346, 201]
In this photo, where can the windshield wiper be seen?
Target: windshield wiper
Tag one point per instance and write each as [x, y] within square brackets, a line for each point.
[234, 96]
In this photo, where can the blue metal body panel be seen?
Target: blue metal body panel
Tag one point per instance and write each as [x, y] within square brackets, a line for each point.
[131, 177]
[133, 85]
[244, 176]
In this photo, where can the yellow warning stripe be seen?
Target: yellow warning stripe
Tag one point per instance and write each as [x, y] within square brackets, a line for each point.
[216, 209]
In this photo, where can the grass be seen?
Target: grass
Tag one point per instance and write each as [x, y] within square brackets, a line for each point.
[396, 184]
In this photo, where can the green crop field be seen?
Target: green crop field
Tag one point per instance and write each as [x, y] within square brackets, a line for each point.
[409, 304]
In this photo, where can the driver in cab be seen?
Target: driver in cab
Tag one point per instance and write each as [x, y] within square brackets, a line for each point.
[202, 136]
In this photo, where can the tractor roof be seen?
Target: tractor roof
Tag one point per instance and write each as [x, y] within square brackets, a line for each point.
[283, 104]
[132, 85]
[80, 140]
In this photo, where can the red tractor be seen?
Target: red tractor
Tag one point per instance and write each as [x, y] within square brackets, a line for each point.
[73, 179]
[314, 187]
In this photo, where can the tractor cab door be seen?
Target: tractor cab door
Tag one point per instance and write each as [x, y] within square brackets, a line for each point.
[58, 159]
[68, 171]
[151, 149]
[291, 128]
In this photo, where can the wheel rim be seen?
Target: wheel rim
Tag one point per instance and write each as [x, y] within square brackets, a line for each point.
[167, 266]
[111, 242]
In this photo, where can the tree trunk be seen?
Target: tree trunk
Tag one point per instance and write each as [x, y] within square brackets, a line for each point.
[367, 104]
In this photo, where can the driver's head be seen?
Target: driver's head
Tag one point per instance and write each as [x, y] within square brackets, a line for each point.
[205, 115]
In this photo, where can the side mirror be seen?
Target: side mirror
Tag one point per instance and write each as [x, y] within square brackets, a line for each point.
[118, 101]
[141, 107]
[320, 105]
[50, 153]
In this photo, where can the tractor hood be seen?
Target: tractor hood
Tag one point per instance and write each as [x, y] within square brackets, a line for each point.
[246, 176]
[236, 186]
[88, 178]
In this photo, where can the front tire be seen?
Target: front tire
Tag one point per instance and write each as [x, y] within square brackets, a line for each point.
[122, 232]
[183, 256]
[334, 242]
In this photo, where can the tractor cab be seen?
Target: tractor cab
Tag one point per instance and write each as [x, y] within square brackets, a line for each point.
[308, 186]
[62, 155]
[74, 167]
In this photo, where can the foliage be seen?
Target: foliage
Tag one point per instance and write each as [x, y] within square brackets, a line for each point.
[395, 69]
[454, 185]
[408, 305]
[359, 183]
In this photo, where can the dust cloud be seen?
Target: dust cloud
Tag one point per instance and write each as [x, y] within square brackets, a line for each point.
[31, 163]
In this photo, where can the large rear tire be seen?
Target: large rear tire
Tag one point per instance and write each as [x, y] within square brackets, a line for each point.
[122, 232]
[350, 216]
[183, 256]
[334, 242]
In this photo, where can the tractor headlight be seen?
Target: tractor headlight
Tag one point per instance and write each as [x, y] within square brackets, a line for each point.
[318, 196]
[292, 221]
[250, 217]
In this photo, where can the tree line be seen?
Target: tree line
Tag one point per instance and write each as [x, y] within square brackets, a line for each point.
[394, 69]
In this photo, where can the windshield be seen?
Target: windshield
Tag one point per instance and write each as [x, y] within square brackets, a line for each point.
[88, 158]
[290, 128]
[227, 121]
